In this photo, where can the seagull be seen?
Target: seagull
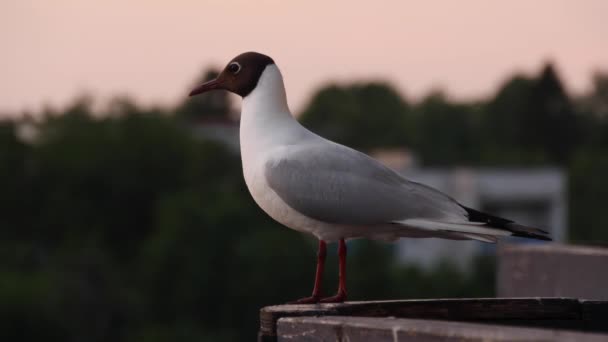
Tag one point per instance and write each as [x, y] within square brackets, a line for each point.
[316, 186]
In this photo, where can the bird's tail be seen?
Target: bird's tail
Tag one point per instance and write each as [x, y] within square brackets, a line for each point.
[488, 231]
[516, 229]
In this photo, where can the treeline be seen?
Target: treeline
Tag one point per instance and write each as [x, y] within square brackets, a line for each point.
[123, 225]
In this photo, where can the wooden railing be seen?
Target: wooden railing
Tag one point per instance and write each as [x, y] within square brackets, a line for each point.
[439, 318]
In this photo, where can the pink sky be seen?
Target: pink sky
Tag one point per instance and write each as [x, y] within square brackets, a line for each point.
[153, 50]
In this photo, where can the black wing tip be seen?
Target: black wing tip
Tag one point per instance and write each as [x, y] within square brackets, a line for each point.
[532, 236]
[508, 225]
[527, 232]
[478, 216]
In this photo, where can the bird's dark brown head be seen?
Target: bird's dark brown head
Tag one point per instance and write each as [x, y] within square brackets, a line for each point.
[240, 76]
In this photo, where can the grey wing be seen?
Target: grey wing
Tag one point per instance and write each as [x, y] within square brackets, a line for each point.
[336, 184]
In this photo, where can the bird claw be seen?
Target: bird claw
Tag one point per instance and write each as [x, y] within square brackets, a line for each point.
[338, 298]
[306, 300]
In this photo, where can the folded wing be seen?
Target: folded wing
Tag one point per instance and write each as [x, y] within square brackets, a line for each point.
[335, 184]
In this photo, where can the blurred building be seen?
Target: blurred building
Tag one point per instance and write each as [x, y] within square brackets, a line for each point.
[531, 196]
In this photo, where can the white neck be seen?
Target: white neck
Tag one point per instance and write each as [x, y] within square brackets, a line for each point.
[265, 117]
[269, 94]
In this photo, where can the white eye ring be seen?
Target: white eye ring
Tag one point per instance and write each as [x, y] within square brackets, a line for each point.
[234, 67]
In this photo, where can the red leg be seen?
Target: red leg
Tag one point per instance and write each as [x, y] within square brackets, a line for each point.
[341, 295]
[316, 292]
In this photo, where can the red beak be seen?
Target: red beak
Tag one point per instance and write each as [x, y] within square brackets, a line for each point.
[213, 84]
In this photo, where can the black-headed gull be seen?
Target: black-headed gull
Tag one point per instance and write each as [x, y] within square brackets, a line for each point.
[314, 185]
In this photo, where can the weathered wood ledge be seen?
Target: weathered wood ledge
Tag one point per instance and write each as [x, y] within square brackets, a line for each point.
[552, 313]
[365, 329]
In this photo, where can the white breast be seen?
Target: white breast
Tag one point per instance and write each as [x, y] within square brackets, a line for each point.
[270, 202]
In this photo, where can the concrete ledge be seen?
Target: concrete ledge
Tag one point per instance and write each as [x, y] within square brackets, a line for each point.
[353, 329]
[553, 270]
[558, 313]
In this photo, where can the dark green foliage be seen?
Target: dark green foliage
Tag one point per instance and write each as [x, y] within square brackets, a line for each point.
[362, 116]
[209, 106]
[447, 133]
[14, 180]
[532, 120]
[377, 275]
[588, 193]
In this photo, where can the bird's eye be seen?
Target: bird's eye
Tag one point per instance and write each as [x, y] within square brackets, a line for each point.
[234, 67]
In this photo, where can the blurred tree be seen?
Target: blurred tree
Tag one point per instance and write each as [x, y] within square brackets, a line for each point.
[504, 121]
[367, 278]
[532, 120]
[89, 167]
[596, 102]
[364, 116]
[555, 124]
[14, 180]
[447, 133]
[588, 188]
[594, 112]
[213, 105]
